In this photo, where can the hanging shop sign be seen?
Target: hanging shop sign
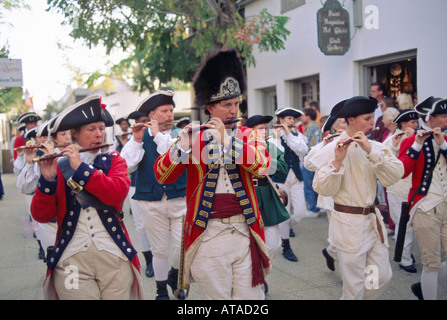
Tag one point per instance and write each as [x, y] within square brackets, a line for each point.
[11, 73]
[333, 28]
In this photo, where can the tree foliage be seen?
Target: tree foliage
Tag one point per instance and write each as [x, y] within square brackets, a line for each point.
[10, 98]
[167, 39]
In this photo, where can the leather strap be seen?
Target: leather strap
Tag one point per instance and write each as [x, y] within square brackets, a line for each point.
[354, 210]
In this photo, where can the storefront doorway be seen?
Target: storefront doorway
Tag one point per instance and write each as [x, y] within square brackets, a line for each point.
[397, 72]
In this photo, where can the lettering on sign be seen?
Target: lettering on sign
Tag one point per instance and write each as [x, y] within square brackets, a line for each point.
[11, 73]
[333, 28]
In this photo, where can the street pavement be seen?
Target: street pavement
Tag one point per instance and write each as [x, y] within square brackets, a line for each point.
[22, 273]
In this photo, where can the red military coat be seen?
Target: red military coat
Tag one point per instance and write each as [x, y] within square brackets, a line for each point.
[248, 157]
[108, 180]
[419, 164]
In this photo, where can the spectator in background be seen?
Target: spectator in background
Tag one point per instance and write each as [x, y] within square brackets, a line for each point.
[314, 136]
[377, 91]
[316, 106]
[388, 116]
[405, 101]
[378, 134]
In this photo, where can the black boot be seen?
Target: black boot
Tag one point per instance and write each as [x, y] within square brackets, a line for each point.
[417, 290]
[329, 260]
[162, 290]
[287, 251]
[149, 266]
[172, 282]
[41, 251]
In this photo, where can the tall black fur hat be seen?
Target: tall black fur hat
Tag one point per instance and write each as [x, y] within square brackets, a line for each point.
[220, 77]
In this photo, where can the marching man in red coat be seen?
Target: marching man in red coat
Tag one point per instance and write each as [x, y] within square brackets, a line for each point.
[223, 234]
[424, 155]
[93, 257]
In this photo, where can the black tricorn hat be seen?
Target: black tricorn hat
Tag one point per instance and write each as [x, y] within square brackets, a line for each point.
[358, 105]
[42, 130]
[86, 111]
[439, 107]
[31, 133]
[284, 112]
[28, 117]
[425, 106]
[136, 114]
[119, 120]
[21, 127]
[406, 115]
[183, 121]
[257, 119]
[333, 116]
[220, 77]
[162, 97]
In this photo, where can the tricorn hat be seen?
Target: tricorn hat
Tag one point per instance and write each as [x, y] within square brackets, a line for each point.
[136, 114]
[432, 106]
[119, 120]
[162, 97]
[183, 122]
[220, 77]
[31, 133]
[42, 130]
[358, 105]
[333, 116]
[21, 127]
[406, 115]
[28, 117]
[257, 119]
[426, 105]
[284, 112]
[86, 111]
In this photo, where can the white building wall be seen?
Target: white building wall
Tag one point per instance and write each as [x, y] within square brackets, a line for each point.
[403, 25]
[121, 104]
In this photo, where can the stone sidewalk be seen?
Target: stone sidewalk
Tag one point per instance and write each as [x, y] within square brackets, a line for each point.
[22, 273]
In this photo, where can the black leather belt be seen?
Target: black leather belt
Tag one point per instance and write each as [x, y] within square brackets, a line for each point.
[260, 182]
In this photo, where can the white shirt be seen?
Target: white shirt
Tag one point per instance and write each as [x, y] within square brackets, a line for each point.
[298, 143]
[28, 178]
[354, 185]
[133, 151]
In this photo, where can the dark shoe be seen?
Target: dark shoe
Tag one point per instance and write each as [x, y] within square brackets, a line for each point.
[289, 255]
[173, 281]
[162, 290]
[41, 251]
[329, 260]
[266, 288]
[287, 251]
[149, 266]
[41, 254]
[410, 269]
[291, 233]
[417, 290]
